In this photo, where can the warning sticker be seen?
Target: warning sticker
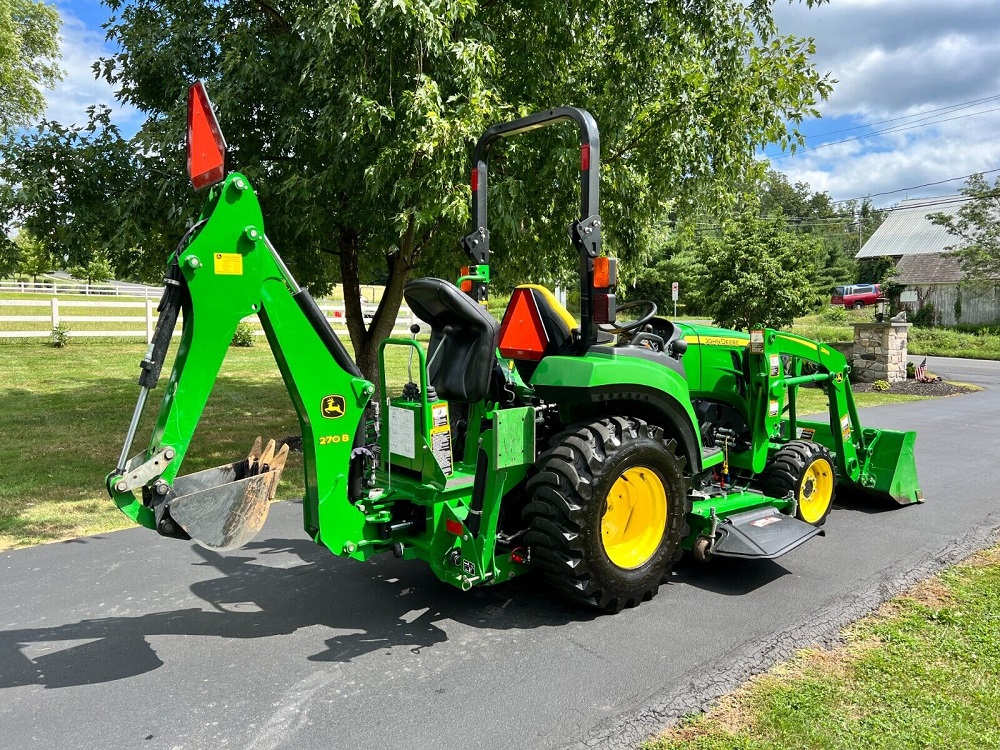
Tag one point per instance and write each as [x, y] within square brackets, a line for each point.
[845, 426]
[441, 437]
[756, 342]
[806, 433]
[775, 365]
[228, 264]
[775, 407]
[762, 522]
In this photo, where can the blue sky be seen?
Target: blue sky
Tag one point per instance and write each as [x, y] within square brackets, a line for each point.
[929, 67]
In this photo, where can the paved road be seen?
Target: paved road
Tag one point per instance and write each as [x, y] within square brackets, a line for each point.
[128, 640]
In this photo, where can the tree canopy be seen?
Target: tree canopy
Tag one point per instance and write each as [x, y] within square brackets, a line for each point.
[976, 226]
[759, 274]
[29, 59]
[355, 121]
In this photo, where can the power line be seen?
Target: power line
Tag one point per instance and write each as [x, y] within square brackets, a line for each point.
[915, 187]
[887, 131]
[951, 108]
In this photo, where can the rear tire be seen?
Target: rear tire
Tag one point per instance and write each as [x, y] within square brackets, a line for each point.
[805, 469]
[608, 512]
[858, 305]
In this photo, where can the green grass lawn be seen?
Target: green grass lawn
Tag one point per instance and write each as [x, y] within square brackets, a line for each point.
[63, 416]
[924, 672]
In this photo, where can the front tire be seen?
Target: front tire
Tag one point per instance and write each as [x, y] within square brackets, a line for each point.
[858, 305]
[805, 469]
[608, 512]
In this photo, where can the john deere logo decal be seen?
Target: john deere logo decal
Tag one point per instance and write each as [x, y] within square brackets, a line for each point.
[333, 406]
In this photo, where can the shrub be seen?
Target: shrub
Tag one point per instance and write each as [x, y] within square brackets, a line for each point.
[924, 317]
[881, 385]
[59, 337]
[243, 335]
[835, 314]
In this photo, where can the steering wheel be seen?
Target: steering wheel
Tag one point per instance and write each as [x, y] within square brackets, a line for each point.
[647, 311]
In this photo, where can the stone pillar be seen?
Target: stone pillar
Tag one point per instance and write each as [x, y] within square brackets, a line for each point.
[879, 352]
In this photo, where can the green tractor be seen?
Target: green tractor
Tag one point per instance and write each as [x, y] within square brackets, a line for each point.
[593, 451]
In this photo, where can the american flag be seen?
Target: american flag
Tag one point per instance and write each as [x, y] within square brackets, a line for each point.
[920, 373]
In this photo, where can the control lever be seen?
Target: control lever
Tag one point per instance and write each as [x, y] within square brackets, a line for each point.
[447, 331]
[414, 330]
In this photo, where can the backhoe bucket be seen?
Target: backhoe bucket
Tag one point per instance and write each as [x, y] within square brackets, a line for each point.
[225, 507]
[891, 470]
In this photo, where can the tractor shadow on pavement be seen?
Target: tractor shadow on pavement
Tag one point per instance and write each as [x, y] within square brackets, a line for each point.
[727, 576]
[283, 587]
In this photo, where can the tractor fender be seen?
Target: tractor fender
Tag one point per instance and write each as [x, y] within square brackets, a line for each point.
[600, 385]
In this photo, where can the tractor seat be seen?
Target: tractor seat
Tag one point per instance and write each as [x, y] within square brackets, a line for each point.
[460, 362]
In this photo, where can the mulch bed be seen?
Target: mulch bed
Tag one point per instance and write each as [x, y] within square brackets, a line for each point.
[913, 388]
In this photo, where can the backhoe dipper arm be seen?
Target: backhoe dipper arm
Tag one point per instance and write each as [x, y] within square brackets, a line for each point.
[226, 272]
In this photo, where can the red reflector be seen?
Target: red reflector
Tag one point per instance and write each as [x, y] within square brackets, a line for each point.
[522, 335]
[602, 308]
[466, 285]
[475, 179]
[453, 527]
[206, 148]
[584, 157]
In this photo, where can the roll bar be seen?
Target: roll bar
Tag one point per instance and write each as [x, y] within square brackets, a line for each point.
[585, 231]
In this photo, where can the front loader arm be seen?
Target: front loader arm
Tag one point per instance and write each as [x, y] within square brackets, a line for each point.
[226, 272]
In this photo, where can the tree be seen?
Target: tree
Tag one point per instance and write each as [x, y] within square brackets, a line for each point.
[757, 274]
[94, 271]
[36, 259]
[355, 122]
[10, 257]
[29, 54]
[977, 228]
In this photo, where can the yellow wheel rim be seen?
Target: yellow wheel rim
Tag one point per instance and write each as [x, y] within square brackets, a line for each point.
[816, 491]
[635, 518]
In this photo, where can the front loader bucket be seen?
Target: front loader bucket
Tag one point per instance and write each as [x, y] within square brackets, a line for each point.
[225, 507]
[889, 468]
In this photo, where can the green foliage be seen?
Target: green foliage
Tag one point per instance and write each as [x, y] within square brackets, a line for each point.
[80, 190]
[876, 270]
[356, 121]
[35, 259]
[243, 335]
[94, 271]
[911, 370]
[10, 256]
[757, 275]
[835, 314]
[59, 338]
[881, 385]
[29, 53]
[839, 229]
[976, 228]
[924, 317]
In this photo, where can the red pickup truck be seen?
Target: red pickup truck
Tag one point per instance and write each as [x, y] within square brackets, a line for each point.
[855, 295]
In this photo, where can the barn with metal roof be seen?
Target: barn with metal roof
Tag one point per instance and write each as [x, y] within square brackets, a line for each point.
[927, 272]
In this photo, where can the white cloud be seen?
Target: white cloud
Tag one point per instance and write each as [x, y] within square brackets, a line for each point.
[894, 58]
[68, 102]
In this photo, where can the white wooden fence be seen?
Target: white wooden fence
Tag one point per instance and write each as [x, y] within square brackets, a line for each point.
[41, 316]
[100, 290]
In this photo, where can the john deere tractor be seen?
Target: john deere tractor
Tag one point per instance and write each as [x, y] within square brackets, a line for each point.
[592, 451]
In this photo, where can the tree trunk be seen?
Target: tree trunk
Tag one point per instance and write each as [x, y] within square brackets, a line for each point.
[365, 339]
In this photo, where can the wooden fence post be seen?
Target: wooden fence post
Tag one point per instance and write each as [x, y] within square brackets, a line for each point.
[55, 313]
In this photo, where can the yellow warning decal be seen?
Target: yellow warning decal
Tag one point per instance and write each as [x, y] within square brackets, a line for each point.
[228, 264]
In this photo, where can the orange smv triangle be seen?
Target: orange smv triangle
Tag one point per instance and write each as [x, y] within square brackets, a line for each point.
[206, 148]
[522, 335]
